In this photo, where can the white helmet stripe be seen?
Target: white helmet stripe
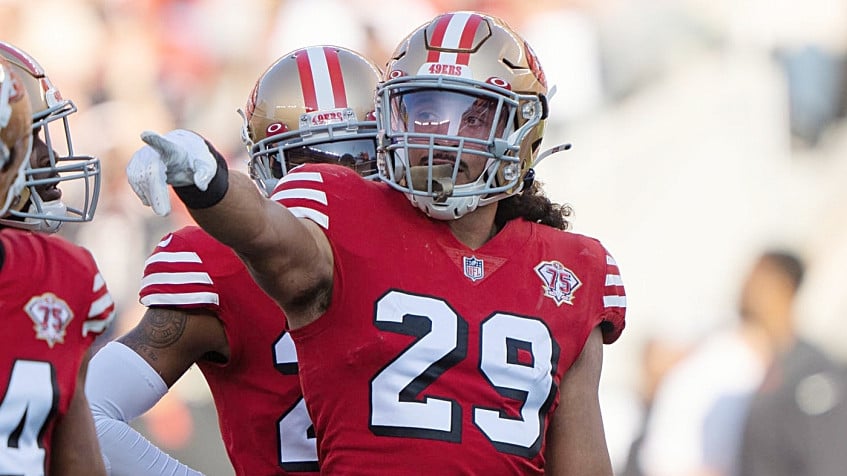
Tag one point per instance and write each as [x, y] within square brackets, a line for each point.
[455, 32]
[321, 79]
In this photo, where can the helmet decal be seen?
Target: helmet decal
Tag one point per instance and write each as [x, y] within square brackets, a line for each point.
[534, 65]
[499, 82]
[320, 72]
[454, 31]
[275, 128]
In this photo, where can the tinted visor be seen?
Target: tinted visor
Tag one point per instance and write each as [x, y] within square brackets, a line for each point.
[448, 113]
[357, 154]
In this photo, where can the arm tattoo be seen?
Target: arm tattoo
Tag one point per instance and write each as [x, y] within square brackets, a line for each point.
[158, 329]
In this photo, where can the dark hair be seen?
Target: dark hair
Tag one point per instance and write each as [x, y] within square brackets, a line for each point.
[788, 263]
[532, 204]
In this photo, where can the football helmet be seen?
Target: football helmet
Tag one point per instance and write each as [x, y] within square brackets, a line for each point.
[43, 205]
[313, 104]
[463, 86]
[15, 136]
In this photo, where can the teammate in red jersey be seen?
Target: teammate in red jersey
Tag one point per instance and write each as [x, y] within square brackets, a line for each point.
[312, 105]
[461, 336]
[54, 302]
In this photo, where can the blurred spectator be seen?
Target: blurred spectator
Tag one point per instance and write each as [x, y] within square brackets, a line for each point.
[701, 406]
[659, 355]
[797, 421]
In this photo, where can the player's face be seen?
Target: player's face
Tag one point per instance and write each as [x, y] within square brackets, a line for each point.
[451, 116]
[40, 158]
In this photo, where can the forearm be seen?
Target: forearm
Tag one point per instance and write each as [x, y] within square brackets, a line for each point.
[120, 387]
[576, 438]
[239, 219]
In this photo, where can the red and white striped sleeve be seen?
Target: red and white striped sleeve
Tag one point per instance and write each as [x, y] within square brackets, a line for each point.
[614, 302]
[176, 276]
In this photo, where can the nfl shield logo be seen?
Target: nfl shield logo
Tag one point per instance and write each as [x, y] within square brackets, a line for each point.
[474, 268]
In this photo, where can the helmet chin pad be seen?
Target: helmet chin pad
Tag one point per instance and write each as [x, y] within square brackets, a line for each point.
[442, 180]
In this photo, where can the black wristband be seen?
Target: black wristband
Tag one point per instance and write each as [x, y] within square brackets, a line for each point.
[195, 198]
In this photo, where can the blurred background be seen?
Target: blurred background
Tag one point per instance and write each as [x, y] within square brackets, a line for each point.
[703, 132]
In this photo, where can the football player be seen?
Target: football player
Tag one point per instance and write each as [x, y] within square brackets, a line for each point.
[463, 334]
[54, 302]
[312, 105]
[43, 205]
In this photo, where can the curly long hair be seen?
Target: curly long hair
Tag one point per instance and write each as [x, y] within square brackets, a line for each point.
[532, 204]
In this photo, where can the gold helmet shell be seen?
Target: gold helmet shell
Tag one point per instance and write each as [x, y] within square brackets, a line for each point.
[478, 62]
[314, 104]
[15, 136]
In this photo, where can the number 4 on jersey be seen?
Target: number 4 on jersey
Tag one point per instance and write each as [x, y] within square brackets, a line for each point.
[31, 399]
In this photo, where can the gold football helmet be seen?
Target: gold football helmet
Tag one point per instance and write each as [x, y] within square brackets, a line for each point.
[462, 85]
[15, 136]
[43, 206]
[313, 104]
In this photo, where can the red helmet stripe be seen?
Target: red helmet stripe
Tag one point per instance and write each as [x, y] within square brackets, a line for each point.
[307, 81]
[336, 77]
[438, 37]
[466, 41]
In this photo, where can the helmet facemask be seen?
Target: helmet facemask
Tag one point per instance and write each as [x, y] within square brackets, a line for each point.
[350, 142]
[435, 127]
[60, 186]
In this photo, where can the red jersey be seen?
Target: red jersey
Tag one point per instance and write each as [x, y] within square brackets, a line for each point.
[53, 302]
[263, 420]
[434, 358]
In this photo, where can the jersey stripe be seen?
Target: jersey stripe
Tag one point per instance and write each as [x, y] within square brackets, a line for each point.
[100, 306]
[302, 193]
[171, 257]
[101, 313]
[164, 299]
[98, 326]
[614, 292]
[305, 176]
[176, 278]
[318, 217]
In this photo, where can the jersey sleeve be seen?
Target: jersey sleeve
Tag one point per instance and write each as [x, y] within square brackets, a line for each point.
[175, 275]
[101, 312]
[613, 318]
[315, 191]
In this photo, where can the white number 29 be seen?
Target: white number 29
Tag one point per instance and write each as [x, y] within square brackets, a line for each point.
[517, 357]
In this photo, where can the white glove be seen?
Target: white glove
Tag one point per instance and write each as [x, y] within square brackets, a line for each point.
[179, 158]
